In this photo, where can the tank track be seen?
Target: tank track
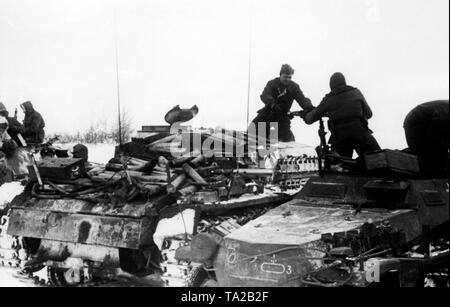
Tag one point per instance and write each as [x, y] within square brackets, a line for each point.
[293, 164]
[438, 278]
[176, 273]
[12, 253]
[52, 278]
[187, 274]
[293, 172]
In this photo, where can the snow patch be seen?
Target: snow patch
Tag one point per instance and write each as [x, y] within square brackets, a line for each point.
[178, 225]
[8, 191]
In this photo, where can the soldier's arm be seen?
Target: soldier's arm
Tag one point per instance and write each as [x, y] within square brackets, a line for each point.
[367, 112]
[316, 114]
[303, 102]
[267, 95]
[16, 127]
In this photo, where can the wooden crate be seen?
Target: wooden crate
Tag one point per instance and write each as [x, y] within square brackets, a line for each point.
[392, 160]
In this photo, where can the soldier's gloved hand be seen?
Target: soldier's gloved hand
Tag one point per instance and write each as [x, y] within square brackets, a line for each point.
[302, 114]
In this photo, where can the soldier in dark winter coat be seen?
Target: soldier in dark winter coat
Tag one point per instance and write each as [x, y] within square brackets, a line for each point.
[348, 114]
[34, 124]
[278, 96]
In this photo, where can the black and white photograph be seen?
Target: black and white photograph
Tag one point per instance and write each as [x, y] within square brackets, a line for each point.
[224, 148]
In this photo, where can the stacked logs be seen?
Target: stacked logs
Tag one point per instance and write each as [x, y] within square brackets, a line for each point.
[180, 176]
[149, 164]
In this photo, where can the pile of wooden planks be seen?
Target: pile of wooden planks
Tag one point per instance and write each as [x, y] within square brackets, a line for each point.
[159, 164]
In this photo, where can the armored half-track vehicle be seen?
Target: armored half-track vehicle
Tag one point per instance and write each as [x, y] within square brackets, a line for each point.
[358, 228]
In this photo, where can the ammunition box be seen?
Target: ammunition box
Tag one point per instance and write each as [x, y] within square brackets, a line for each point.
[59, 169]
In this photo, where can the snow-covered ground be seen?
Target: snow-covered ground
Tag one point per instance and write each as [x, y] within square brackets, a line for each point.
[101, 153]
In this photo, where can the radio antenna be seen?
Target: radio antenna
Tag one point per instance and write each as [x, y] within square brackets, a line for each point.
[249, 62]
[117, 78]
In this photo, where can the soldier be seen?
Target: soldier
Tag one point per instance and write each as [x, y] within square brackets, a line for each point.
[34, 124]
[14, 126]
[278, 96]
[4, 136]
[80, 151]
[6, 174]
[426, 129]
[348, 114]
[11, 157]
[7, 144]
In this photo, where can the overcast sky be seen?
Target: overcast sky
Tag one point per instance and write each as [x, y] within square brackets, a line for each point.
[60, 55]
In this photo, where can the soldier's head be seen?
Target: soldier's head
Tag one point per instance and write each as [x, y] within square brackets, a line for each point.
[337, 80]
[81, 152]
[3, 111]
[286, 74]
[27, 107]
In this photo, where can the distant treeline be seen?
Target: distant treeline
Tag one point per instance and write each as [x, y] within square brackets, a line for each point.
[98, 133]
[91, 136]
